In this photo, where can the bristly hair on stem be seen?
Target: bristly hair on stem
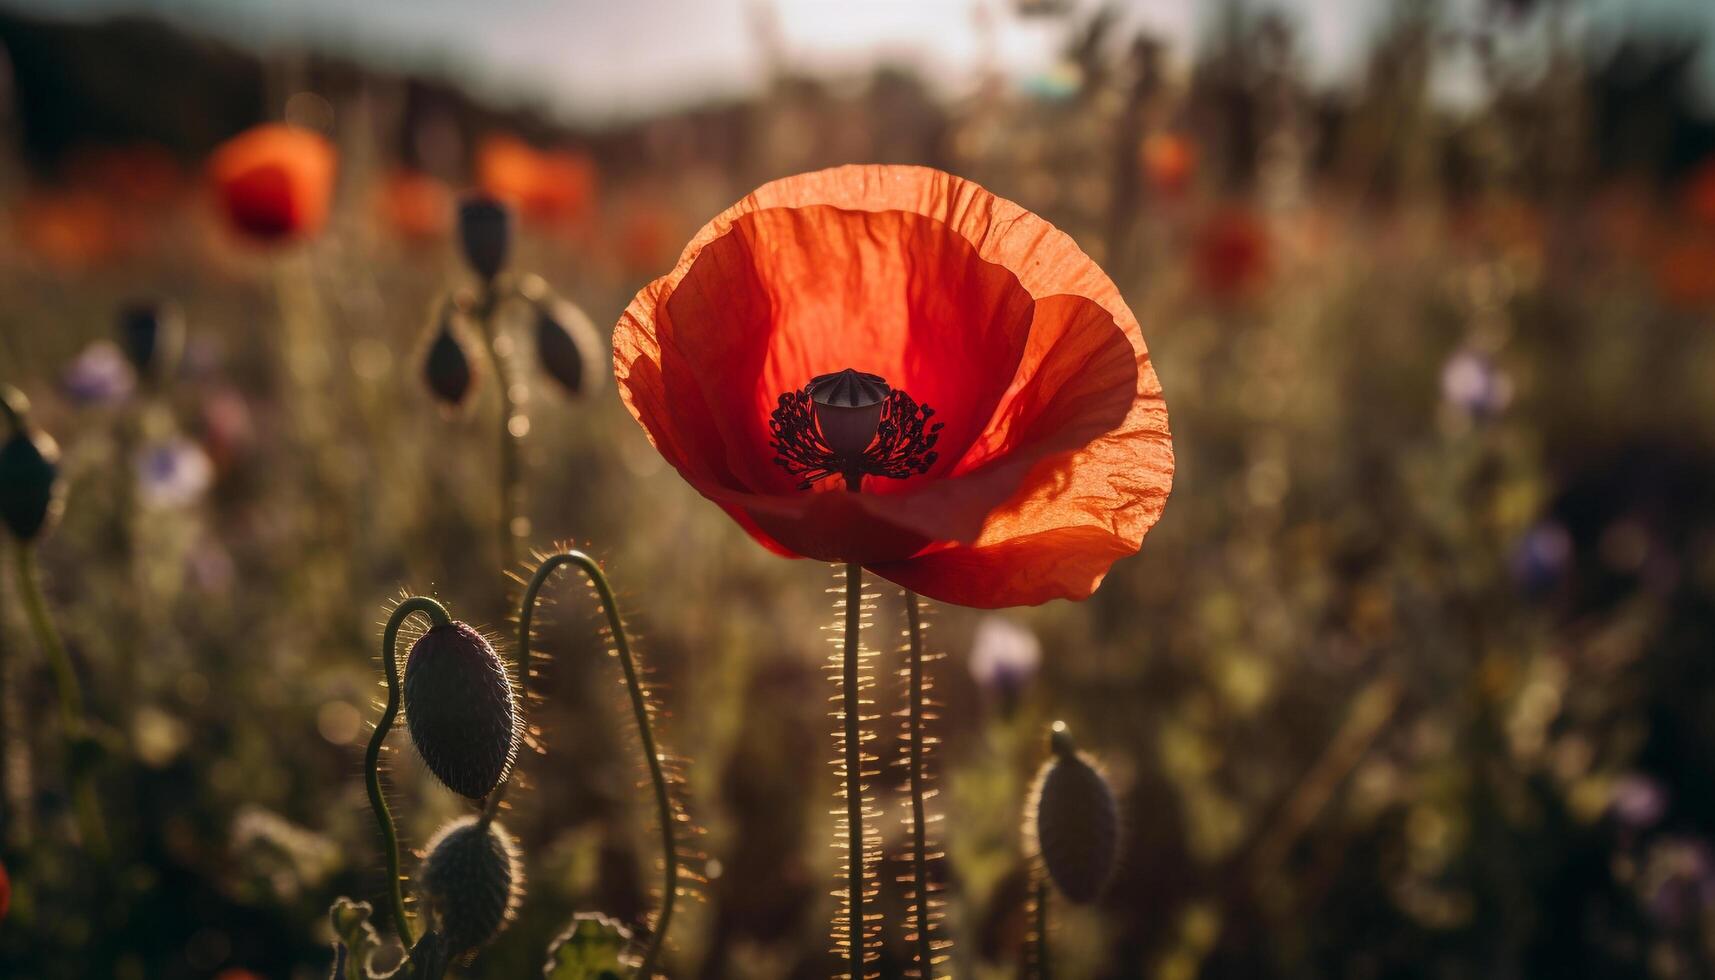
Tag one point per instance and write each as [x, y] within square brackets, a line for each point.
[669, 814]
[402, 611]
[925, 908]
[856, 933]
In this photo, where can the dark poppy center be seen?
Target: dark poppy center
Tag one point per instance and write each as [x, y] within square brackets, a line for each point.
[855, 425]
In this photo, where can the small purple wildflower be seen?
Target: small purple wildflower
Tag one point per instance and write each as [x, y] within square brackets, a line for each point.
[1542, 557]
[173, 473]
[1004, 657]
[100, 375]
[1475, 385]
[1638, 801]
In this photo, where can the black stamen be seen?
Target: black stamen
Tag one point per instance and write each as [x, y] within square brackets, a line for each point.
[903, 444]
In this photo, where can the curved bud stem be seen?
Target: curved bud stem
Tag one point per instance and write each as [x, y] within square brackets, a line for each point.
[640, 709]
[437, 615]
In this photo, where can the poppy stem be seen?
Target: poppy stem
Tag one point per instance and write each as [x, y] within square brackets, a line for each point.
[512, 422]
[1039, 927]
[850, 713]
[437, 615]
[665, 813]
[71, 698]
[918, 750]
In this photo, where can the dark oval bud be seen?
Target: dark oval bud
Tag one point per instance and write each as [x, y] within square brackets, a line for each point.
[485, 234]
[471, 883]
[1075, 821]
[460, 709]
[568, 347]
[152, 335]
[448, 369]
[30, 499]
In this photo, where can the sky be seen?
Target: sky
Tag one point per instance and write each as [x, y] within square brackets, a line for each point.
[601, 60]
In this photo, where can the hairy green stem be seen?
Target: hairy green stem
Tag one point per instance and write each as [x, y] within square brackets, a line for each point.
[71, 697]
[1040, 938]
[854, 768]
[438, 615]
[919, 821]
[640, 711]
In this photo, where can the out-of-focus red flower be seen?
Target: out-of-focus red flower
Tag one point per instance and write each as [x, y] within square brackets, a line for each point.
[546, 187]
[142, 175]
[273, 182]
[1685, 270]
[647, 237]
[415, 206]
[1699, 193]
[69, 229]
[1233, 254]
[1169, 161]
[5, 892]
[1018, 445]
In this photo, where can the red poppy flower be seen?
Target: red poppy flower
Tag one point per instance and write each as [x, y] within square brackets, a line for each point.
[1233, 255]
[545, 187]
[273, 182]
[905, 332]
[1168, 160]
[415, 206]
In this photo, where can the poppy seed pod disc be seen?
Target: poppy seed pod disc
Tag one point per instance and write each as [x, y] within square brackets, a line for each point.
[485, 234]
[1077, 825]
[151, 334]
[471, 883]
[460, 709]
[447, 368]
[568, 347]
[29, 484]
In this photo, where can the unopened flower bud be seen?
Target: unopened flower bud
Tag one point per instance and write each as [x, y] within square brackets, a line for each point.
[1075, 822]
[568, 347]
[448, 370]
[472, 884]
[460, 709]
[152, 335]
[30, 489]
[485, 234]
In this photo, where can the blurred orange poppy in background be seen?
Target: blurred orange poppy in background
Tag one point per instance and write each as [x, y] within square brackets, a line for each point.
[414, 206]
[273, 182]
[545, 187]
[1168, 161]
[69, 229]
[1017, 441]
[1233, 254]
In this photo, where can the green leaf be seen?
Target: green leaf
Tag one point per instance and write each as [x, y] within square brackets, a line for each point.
[593, 947]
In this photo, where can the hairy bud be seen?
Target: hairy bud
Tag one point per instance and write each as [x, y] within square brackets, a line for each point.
[30, 489]
[152, 335]
[460, 709]
[471, 883]
[485, 234]
[568, 347]
[448, 370]
[1075, 822]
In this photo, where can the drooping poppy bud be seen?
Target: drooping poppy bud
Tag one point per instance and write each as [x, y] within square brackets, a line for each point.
[567, 346]
[1075, 821]
[472, 884]
[30, 489]
[448, 369]
[460, 709]
[151, 335]
[485, 234]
